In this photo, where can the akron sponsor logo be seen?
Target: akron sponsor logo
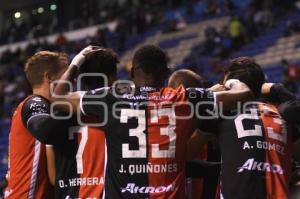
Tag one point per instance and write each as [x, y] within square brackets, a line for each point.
[133, 188]
[252, 165]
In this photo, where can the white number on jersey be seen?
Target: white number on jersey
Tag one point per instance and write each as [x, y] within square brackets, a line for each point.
[137, 132]
[83, 130]
[140, 134]
[258, 131]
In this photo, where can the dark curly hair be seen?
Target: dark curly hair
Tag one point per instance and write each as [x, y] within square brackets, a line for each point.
[104, 62]
[151, 59]
[247, 71]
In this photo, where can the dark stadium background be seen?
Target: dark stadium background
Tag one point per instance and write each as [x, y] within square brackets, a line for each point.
[201, 35]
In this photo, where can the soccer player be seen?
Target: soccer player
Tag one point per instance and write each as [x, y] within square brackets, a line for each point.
[27, 175]
[147, 130]
[255, 142]
[202, 176]
[79, 150]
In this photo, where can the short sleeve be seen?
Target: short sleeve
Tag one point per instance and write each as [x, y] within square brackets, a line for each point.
[34, 107]
[98, 103]
[279, 94]
[90, 99]
[37, 119]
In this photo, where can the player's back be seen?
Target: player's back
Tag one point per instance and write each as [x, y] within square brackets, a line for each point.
[146, 137]
[79, 158]
[256, 153]
[27, 173]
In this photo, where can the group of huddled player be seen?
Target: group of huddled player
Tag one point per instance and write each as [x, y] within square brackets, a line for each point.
[114, 139]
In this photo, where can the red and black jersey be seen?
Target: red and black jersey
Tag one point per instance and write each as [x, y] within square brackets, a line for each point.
[255, 146]
[146, 135]
[27, 174]
[203, 174]
[79, 150]
[80, 163]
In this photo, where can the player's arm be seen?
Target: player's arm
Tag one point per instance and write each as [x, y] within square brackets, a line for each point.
[229, 99]
[208, 103]
[63, 84]
[69, 103]
[290, 111]
[200, 169]
[276, 93]
[196, 144]
[207, 130]
[63, 98]
[37, 119]
[91, 103]
[51, 163]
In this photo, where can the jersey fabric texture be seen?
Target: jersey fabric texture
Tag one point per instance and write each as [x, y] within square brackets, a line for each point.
[28, 175]
[256, 152]
[203, 177]
[146, 135]
[80, 161]
[79, 150]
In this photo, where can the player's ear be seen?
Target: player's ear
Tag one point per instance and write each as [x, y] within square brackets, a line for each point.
[47, 77]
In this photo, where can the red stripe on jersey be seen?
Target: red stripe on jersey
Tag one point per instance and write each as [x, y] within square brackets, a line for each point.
[276, 135]
[167, 140]
[92, 147]
[28, 175]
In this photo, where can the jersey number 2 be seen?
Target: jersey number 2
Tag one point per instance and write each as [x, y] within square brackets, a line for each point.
[139, 133]
[257, 130]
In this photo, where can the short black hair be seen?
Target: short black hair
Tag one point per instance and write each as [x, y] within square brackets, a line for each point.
[247, 71]
[105, 62]
[151, 59]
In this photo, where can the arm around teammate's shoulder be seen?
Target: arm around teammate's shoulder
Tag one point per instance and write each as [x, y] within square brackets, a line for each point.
[276, 93]
[229, 99]
[36, 117]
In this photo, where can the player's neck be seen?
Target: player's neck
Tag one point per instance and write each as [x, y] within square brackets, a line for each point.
[42, 91]
[147, 82]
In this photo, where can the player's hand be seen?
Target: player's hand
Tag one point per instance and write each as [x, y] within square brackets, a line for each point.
[92, 51]
[232, 83]
[84, 54]
[217, 88]
[266, 88]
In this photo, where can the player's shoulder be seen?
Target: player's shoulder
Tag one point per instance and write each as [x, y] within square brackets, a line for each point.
[30, 101]
[173, 94]
[181, 93]
[35, 103]
[35, 99]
